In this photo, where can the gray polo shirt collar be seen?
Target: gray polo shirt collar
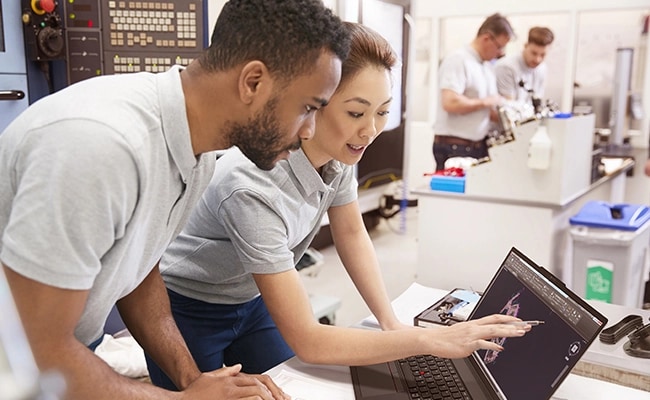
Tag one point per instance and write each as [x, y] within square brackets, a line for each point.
[308, 176]
[174, 121]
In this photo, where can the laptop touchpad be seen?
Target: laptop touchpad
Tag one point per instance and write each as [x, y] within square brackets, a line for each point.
[378, 379]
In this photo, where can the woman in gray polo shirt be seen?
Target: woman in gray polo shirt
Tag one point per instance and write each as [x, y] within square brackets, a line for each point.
[234, 289]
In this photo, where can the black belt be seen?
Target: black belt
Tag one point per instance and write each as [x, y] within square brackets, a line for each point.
[454, 140]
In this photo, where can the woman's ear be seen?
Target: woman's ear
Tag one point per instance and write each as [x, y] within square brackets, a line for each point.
[254, 81]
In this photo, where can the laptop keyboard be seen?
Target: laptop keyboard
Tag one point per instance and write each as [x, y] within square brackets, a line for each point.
[430, 377]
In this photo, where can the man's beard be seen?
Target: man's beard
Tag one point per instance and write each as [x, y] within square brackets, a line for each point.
[261, 138]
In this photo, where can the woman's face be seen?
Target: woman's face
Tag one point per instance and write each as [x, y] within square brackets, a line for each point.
[356, 114]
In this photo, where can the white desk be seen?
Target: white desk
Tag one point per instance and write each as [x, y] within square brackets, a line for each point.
[317, 382]
[324, 308]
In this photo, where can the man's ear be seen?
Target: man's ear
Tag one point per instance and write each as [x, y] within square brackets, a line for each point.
[254, 81]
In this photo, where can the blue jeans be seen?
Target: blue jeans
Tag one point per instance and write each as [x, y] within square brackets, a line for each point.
[96, 343]
[225, 334]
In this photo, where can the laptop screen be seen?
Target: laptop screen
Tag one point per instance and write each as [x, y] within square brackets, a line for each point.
[532, 367]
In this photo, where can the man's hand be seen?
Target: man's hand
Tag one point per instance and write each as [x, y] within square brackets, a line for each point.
[457, 103]
[229, 383]
[493, 101]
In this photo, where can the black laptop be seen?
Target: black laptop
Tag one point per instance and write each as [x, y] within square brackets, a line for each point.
[531, 367]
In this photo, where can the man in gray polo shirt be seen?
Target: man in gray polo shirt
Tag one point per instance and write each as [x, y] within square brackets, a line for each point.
[468, 94]
[97, 179]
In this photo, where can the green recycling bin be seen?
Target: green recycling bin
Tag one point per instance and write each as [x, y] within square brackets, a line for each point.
[610, 252]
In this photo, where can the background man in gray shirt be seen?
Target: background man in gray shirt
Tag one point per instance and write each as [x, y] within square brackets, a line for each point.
[523, 75]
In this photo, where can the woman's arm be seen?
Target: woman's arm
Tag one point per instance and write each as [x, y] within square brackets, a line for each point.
[357, 253]
[288, 304]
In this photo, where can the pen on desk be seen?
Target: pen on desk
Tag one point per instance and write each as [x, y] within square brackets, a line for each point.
[521, 323]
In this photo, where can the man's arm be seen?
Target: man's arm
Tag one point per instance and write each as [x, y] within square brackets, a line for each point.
[147, 314]
[456, 103]
[357, 253]
[49, 316]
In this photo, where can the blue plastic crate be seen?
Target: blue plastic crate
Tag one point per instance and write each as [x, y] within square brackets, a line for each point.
[448, 183]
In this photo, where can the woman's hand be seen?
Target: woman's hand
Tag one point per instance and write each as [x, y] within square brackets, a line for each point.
[462, 339]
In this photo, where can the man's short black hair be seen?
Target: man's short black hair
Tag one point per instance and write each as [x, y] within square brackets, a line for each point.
[288, 36]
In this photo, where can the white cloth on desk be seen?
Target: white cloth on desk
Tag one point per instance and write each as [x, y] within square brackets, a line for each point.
[124, 355]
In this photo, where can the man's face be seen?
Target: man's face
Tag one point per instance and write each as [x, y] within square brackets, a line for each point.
[496, 46]
[261, 138]
[534, 54]
[288, 117]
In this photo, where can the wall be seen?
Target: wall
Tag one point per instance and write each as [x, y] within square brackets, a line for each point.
[348, 10]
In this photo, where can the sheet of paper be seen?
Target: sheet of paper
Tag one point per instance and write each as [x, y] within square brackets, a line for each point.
[303, 388]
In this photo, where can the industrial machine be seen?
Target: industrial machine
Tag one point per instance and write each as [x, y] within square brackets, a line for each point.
[13, 74]
[619, 110]
[69, 41]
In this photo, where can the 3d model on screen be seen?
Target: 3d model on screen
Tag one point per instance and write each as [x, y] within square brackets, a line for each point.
[510, 308]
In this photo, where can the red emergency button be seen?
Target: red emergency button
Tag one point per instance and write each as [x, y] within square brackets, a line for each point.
[40, 7]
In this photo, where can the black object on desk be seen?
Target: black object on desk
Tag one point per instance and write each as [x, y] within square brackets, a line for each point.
[639, 343]
[622, 328]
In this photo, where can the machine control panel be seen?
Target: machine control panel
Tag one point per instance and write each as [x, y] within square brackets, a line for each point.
[43, 30]
[124, 36]
[154, 24]
[83, 36]
[151, 35]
